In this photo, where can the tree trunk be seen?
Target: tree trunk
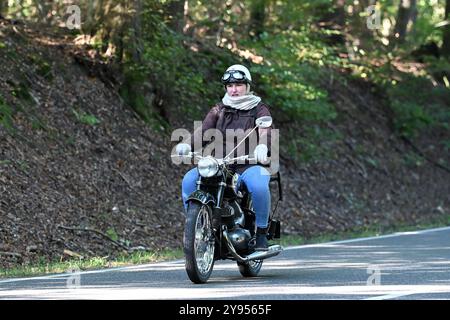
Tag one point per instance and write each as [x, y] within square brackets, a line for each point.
[3, 8]
[257, 18]
[88, 25]
[335, 20]
[406, 13]
[339, 13]
[446, 33]
[136, 41]
[176, 12]
[42, 10]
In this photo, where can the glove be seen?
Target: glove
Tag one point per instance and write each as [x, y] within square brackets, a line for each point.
[183, 149]
[260, 153]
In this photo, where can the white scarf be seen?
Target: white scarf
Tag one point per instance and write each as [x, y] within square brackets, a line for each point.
[247, 102]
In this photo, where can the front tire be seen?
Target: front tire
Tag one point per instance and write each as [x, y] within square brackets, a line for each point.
[198, 242]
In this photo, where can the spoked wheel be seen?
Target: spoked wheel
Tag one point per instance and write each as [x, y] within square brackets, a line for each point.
[251, 268]
[198, 243]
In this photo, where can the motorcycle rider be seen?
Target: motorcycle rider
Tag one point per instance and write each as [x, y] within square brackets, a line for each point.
[238, 110]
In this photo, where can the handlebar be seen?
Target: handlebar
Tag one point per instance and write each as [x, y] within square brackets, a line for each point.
[189, 155]
[239, 158]
[221, 161]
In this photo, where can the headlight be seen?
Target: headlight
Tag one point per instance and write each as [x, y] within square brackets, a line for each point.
[207, 167]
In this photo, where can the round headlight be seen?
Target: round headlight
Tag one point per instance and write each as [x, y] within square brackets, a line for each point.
[207, 167]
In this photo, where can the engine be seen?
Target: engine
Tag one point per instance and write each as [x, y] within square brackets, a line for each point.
[232, 215]
[238, 236]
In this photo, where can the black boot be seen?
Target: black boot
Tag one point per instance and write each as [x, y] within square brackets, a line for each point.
[261, 240]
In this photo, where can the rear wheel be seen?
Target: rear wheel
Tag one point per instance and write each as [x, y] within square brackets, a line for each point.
[251, 268]
[198, 243]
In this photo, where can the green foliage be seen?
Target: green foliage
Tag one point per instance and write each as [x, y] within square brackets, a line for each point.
[290, 75]
[22, 105]
[412, 159]
[45, 70]
[312, 142]
[446, 144]
[85, 118]
[6, 113]
[38, 124]
[42, 67]
[111, 232]
[131, 92]
[23, 165]
[291, 80]
[424, 29]
[20, 90]
[175, 74]
[292, 15]
[167, 74]
[417, 105]
[410, 118]
[5, 162]
[373, 162]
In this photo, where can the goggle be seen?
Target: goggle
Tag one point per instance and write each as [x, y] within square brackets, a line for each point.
[235, 75]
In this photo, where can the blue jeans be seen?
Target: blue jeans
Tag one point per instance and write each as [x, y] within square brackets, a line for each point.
[256, 178]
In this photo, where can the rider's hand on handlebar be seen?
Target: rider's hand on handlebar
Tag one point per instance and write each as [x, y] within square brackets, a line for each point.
[183, 149]
[260, 153]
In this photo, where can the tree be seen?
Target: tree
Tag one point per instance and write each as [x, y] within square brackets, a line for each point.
[446, 33]
[175, 10]
[137, 46]
[407, 13]
[42, 10]
[339, 12]
[257, 18]
[3, 8]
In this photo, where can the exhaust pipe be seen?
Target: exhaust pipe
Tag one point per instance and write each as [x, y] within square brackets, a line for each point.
[258, 255]
[271, 252]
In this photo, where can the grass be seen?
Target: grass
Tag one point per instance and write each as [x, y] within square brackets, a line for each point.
[44, 267]
[86, 118]
[142, 257]
[6, 116]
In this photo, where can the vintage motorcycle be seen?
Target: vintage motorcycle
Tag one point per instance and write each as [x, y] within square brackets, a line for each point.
[220, 221]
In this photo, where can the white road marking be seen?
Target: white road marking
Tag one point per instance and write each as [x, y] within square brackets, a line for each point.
[282, 292]
[397, 234]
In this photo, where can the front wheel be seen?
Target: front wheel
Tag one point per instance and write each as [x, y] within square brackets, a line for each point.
[251, 268]
[198, 243]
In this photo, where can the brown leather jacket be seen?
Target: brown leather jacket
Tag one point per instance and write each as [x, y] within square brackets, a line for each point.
[239, 123]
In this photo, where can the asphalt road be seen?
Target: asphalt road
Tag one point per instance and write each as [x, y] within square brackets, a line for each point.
[409, 265]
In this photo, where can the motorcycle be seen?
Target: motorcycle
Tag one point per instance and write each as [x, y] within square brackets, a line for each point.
[220, 221]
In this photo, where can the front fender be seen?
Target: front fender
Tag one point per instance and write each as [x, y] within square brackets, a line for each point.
[202, 197]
